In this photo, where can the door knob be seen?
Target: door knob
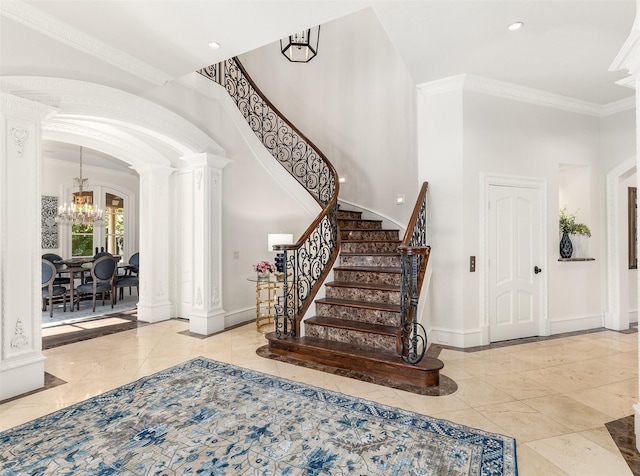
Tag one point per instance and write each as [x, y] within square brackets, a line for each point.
[537, 270]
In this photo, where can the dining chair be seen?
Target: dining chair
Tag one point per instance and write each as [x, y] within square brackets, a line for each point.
[130, 278]
[53, 258]
[49, 289]
[88, 279]
[103, 271]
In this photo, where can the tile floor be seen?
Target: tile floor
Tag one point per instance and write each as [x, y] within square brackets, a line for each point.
[553, 396]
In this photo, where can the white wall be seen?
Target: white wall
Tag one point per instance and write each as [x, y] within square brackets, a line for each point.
[516, 138]
[440, 144]
[356, 102]
[462, 135]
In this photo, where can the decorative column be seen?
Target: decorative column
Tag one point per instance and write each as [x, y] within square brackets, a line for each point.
[21, 359]
[155, 234]
[629, 58]
[207, 314]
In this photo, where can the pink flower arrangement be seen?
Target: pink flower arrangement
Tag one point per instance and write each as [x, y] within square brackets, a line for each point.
[264, 267]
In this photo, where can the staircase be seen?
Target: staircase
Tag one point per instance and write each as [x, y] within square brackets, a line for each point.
[357, 324]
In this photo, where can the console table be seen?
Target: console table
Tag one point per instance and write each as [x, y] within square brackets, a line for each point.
[266, 299]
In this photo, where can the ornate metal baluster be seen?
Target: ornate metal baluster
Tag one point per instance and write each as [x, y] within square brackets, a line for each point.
[311, 258]
[414, 258]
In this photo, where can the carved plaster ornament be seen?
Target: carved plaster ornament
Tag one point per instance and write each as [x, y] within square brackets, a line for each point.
[199, 179]
[199, 297]
[19, 339]
[19, 135]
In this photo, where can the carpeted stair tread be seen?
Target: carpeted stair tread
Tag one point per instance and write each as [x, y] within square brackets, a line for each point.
[373, 269]
[364, 229]
[361, 285]
[372, 241]
[369, 253]
[346, 324]
[378, 306]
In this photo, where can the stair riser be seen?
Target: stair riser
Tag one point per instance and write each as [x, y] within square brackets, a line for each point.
[345, 215]
[369, 234]
[369, 247]
[372, 316]
[359, 224]
[405, 374]
[370, 260]
[376, 341]
[365, 295]
[367, 277]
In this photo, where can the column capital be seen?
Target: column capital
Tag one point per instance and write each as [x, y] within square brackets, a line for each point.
[154, 170]
[206, 158]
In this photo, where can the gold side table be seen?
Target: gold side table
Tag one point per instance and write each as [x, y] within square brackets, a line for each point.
[266, 299]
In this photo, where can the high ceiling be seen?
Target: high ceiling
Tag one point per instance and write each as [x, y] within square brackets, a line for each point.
[565, 47]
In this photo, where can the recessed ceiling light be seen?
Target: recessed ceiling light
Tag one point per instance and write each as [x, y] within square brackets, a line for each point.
[214, 45]
[516, 25]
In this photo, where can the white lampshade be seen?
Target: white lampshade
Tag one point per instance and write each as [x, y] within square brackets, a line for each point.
[278, 239]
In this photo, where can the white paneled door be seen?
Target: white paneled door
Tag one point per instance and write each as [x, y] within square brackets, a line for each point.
[514, 262]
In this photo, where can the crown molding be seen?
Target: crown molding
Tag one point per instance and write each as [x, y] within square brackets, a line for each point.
[514, 92]
[619, 106]
[39, 21]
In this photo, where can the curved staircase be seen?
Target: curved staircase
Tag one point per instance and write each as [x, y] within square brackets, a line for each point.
[357, 324]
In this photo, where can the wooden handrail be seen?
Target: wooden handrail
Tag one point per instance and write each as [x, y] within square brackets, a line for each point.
[310, 259]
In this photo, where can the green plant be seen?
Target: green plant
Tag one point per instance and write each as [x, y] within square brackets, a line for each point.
[568, 224]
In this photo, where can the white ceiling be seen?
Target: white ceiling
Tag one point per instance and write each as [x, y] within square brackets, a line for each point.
[565, 47]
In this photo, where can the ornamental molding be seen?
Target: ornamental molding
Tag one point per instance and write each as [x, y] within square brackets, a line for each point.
[19, 136]
[124, 146]
[39, 21]
[15, 106]
[19, 340]
[81, 100]
[514, 92]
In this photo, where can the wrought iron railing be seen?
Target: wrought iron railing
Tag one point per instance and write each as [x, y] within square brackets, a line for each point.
[414, 258]
[306, 263]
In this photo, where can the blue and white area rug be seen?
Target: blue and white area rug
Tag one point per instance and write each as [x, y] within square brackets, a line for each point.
[209, 418]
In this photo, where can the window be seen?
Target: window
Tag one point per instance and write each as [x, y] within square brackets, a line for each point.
[82, 235]
[114, 224]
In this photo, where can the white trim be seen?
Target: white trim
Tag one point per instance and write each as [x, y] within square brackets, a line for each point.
[515, 92]
[612, 317]
[487, 180]
[39, 21]
[575, 324]
[455, 338]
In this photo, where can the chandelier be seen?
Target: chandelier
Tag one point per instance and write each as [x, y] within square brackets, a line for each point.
[301, 47]
[81, 211]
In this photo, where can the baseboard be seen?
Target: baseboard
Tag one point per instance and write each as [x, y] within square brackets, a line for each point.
[633, 316]
[241, 316]
[576, 324]
[454, 338]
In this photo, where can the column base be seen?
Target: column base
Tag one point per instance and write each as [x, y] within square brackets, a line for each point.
[206, 324]
[154, 312]
[21, 376]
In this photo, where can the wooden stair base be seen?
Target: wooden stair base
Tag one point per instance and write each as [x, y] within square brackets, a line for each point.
[362, 359]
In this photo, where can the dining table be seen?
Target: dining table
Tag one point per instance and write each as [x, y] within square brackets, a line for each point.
[73, 266]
